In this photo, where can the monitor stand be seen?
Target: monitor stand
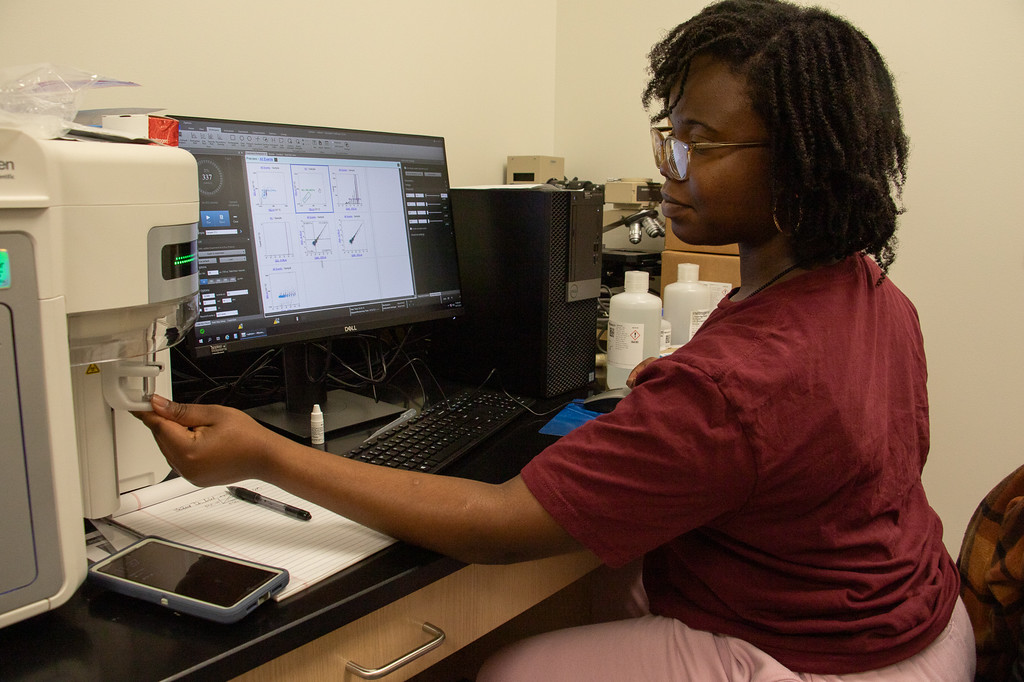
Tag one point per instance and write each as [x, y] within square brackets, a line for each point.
[343, 409]
[305, 375]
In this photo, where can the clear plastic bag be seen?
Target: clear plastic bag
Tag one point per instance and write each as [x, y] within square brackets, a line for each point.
[42, 100]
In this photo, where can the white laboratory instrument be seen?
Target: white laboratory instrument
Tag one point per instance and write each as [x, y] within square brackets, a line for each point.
[97, 278]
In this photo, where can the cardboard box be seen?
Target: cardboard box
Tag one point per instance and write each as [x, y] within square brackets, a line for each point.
[676, 244]
[713, 267]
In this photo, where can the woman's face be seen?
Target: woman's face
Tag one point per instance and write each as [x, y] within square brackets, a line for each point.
[726, 195]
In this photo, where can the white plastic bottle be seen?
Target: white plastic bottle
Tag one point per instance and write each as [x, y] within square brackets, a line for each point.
[682, 298]
[634, 328]
[666, 332]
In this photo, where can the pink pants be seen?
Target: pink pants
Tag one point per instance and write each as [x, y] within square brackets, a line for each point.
[658, 648]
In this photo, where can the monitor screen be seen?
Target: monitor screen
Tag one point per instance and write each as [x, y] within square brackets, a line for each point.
[307, 233]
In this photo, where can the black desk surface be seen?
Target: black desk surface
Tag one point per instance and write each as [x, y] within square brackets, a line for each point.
[99, 635]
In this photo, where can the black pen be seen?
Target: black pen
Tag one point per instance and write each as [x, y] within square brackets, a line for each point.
[255, 498]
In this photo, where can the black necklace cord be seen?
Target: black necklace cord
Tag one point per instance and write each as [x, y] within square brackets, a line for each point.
[774, 279]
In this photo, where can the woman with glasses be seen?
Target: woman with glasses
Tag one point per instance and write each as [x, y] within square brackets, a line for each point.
[768, 473]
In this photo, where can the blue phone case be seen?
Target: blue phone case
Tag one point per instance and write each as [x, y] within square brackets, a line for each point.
[201, 579]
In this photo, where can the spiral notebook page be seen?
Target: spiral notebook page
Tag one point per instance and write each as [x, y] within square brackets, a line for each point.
[212, 519]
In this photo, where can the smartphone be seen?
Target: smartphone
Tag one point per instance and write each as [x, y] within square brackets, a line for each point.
[189, 580]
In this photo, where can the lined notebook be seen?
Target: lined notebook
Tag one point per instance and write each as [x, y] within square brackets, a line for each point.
[212, 519]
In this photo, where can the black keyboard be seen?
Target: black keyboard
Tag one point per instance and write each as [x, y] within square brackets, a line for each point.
[439, 435]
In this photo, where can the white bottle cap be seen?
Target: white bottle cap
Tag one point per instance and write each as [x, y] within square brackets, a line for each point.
[688, 272]
[637, 281]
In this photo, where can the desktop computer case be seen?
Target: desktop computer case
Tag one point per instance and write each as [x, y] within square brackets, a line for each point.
[530, 265]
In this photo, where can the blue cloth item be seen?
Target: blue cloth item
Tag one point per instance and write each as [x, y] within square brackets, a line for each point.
[568, 418]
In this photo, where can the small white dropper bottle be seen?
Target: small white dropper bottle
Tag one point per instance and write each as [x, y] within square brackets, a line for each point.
[316, 428]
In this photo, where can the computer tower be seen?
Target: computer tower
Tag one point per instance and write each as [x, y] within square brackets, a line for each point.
[530, 265]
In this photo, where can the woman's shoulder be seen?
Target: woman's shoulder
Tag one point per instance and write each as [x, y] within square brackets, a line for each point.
[781, 328]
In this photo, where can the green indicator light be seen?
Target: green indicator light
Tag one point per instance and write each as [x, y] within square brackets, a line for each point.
[5, 269]
[184, 260]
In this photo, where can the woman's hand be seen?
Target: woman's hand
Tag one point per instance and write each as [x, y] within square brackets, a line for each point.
[208, 444]
[463, 518]
[631, 379]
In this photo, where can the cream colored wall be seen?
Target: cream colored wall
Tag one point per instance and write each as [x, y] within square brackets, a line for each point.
[564, 77]
[478, 73]
[959, 69]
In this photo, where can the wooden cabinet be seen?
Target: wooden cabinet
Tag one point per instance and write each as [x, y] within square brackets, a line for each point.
[465, 605]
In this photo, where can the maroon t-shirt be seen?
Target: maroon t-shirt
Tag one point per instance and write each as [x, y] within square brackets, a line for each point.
[769, 472]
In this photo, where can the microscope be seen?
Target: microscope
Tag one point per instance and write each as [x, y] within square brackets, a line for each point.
[634, 234]
[98, 278]
[634, 204]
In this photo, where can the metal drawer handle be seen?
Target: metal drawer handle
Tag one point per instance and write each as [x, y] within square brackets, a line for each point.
[388, 668]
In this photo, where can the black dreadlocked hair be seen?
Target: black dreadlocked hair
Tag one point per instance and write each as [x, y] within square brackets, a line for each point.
[839, 151]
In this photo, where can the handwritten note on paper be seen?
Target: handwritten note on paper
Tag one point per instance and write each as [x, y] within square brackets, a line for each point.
[212, 519]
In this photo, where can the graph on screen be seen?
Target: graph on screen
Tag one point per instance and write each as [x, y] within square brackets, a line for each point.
[326, 231]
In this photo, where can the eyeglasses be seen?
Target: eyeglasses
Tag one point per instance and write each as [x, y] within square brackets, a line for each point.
[673, 156]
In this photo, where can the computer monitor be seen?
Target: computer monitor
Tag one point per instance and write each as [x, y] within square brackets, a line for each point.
[308, 233]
